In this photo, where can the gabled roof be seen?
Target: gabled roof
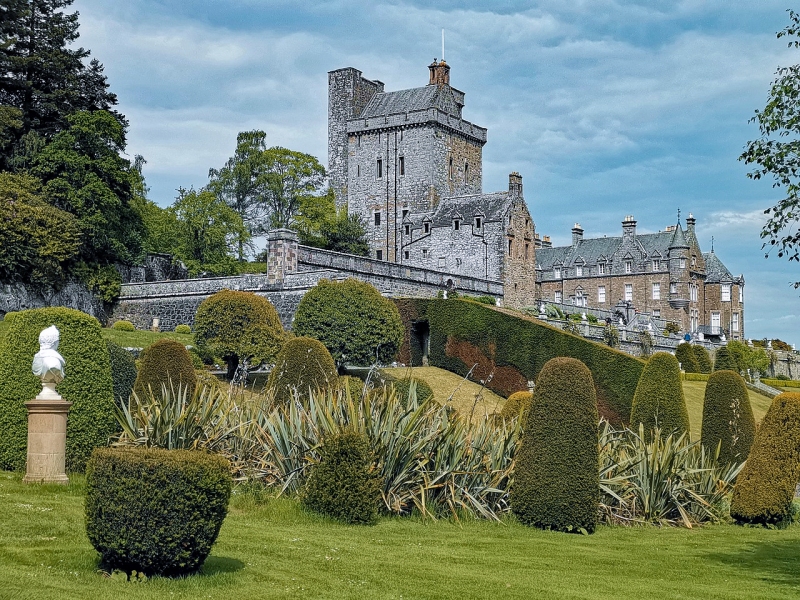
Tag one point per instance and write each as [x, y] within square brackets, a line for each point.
[594, 250]
[414, 99]
[492, 207]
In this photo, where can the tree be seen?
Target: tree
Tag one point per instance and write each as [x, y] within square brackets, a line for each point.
[290, 177]
[41, 76]
[319, 224]
[776, 152]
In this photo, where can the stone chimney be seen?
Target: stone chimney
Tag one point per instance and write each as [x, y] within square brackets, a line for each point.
[440, 73]
[690, 223]
[628, 227]
[282, 254]
[515, 184]
[577, 234]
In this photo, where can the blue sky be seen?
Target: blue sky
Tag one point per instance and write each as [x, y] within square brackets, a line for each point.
[606, 107]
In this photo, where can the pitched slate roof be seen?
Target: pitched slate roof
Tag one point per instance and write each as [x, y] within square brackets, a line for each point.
[716, 272]
[678, 239]
[491, 207]
[592, 250]
[414, 99]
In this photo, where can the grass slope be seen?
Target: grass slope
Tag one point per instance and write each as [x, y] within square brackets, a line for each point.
[275, 550]
[143, 339]
[695, 391]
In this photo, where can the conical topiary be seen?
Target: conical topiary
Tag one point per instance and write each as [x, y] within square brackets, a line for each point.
[703, 359]
[725, 361]
[766, 485]
[686, 357]
[517, 405]
[727, 417]
[166, 362]
[659, 400]
[303, 365]
[123, 372]
[556, 479]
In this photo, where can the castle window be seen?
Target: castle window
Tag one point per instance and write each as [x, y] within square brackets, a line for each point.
[442, 262]
[450, 169]
[694, 260]
[424, 253]
[726, 292]
[379, 254]
[402, 165]
[405, 213]
[656, 265]
[426, 228]
[656, 291]
[359, 141]
[458, 262]
[456, 224]
[628, 266]
[741, 295]
[673, 288]
[693, 292]
[578, 270]
[466, 172]
[628, 292]
[735, 322]
[527, 246]
[556, 270]
[601, 293]
[683, 262]
[558, 297]
[601, 268]
[401, 135]
[408, 229]
[657, 313]
[377, 219]
[477, 222]
[405, 254]
[510, 246]
[379, 168]
[358, 170]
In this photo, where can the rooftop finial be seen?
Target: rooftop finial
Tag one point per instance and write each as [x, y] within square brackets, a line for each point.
[679, 215]
[712, 243]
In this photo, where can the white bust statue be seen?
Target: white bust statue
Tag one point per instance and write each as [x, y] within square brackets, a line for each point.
[48, 364]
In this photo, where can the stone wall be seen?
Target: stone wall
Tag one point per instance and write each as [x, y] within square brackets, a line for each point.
[20, 296]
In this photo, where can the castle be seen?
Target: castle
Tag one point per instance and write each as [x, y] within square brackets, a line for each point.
[410, 165]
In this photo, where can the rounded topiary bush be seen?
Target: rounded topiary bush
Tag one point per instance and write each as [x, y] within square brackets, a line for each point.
[357, 325]
[123, 372]
[166, 362]
[517, 405]
[303, 364]
[556, 479]
[88, 383]
[659, 400]
[727, 417]
[685, 355]
[123, 325]
[344, 484]
[703, 359]
[155, 511]
[182, 328]
[402, 387]
[766, 485]
[724, 360]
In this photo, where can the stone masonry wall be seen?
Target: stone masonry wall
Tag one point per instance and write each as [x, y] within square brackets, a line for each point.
[20, 296]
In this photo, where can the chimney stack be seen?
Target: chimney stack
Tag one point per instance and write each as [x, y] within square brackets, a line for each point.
[628, 227]
[440, 73]
[577, 234]
[690, 223]
[515, 184]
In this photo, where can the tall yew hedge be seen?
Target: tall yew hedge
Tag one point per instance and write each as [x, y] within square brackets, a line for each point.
[685, 355]
[659, 400]
[728, 417]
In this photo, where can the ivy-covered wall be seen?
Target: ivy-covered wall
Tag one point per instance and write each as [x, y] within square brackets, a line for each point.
[507, 350]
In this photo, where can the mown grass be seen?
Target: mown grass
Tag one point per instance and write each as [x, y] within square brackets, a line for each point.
[142, 339]
[694, 391]
[273, 549]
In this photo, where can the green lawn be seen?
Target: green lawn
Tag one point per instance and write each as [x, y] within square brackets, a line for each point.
[694, 392]
[142, 339]
[276, 550]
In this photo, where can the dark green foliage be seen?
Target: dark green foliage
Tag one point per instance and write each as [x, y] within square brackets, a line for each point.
[123, 372]
[517, 405]
[357, 325]
[659, 401]
[685, 355]
[238, 326]
[166, 362]
[155, 511]
[513, 349]
[703, 359]
[725, 361]
[727, 417]
[352, 384]
[123, 325]
[556, 479]
[197, 359]
[766, 486]
[402, 387]
[88, 383]
[344, 484]
[303, 364]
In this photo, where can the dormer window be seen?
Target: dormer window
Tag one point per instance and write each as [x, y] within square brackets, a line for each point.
[426, 228]
[601, 268]
[557, 273]
[579, 271]
[408, 229]
[405, 213]
[656, 264]
[629, 266]
[478, 222]
[456, 224]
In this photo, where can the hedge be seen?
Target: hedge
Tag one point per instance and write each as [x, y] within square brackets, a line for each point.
[703, 359]
[166, 362]
[725, 361]
[659, 400]
[766, 485]
[513, 348]
[727, 417]
[685, 355]
[303, 364]
[88, 384]
[517, 405]
[556, 478]
[123, 325]
[123, 372]
[694, 376]
[779, 383]
[155, 511]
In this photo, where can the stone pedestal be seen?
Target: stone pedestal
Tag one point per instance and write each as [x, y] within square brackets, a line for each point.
[47, 438]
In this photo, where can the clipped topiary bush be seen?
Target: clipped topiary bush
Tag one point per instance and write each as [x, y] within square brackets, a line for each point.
[182, 328]
[766, 485]
[556, 479]
[659, 400]
[88, 383]
[725, 361]
[703, 359]
[238, 326]
[357, 325]
[344, 484]
[123, 325]
[303, 364]
[517, 405]
[685, 355]
[155, 511]
[402, 388]
[166, 362]
[123, 372]
[727, 417]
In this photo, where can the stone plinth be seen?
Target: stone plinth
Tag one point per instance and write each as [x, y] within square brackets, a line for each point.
[47, 440]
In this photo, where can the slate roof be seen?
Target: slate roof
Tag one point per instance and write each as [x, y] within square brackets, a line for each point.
[650, 245]
[678, 239]
[491, 207]
[716, 272]
[414, 99]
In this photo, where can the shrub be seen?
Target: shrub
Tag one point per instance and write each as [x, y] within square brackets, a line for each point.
[155, 511]
[182, 328]
[517, 405]
[703, 359]
[197, 359]
[659, 401]
[357, 325]
[166, 362]
[556, 480]
[88, 383]
[354, 385]
[671, 328]
[123, 326]
[206, 379]
[685, 355]
[725, 361]
[303, 364]
[238, 326]
[727, 417]
[344, 483]
[766, 486]
[123, 372]
[402, 388]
